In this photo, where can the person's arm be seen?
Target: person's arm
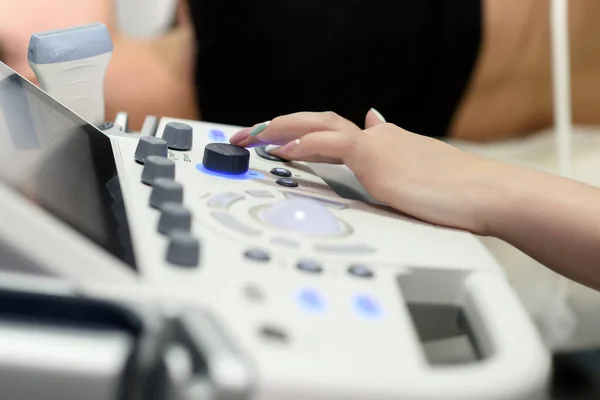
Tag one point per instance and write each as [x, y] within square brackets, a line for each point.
[554, 220]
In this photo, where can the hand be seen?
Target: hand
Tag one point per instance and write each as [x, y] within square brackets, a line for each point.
[19, 19]
[418, 175]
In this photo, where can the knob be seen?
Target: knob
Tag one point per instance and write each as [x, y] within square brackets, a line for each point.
[165, 190]
[226, 158]
[157, 167]
[178, 136]
[174, 216]
[184, 249]
[150, 146]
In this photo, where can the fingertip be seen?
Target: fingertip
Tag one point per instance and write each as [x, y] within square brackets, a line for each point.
[373, 118]
[240, 136]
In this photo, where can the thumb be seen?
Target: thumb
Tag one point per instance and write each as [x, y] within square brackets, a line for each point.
[373, 118]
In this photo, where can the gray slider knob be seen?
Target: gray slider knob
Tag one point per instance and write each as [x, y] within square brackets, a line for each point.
[183, 250]
[157, 167]
[150, 146]
[178, 136]
[165, 190]
[174, 217]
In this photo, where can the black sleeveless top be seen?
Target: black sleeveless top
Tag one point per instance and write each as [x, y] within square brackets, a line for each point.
[410, 59]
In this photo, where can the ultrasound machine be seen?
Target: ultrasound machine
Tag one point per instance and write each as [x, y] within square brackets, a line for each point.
[169, 264]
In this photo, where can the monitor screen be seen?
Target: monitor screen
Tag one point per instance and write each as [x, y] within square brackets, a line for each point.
[58, 161]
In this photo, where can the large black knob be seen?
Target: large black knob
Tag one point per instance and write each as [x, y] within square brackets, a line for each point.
[226, 158]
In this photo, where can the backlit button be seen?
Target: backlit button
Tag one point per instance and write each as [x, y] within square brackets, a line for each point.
[310, 266]
[325, 202]
[360, 271]
[367, 307]
[217, 135]
[224, 200]
[287, 182]
[345, 249]
[257, 255]
[310, 300]
[265, 194]
[284, 173]
[231, 222]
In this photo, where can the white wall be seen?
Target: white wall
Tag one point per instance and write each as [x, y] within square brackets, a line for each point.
[145, 18]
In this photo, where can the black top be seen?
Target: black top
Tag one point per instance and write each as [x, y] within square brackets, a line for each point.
[410, 59]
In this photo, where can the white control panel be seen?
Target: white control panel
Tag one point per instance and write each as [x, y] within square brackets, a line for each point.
[314, 286]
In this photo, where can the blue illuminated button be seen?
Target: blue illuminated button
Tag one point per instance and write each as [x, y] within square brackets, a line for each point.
[217, 135]
[367, 307]
[361, 271]
[310, 300]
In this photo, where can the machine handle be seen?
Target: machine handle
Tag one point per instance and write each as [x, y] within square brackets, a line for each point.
[514, 355]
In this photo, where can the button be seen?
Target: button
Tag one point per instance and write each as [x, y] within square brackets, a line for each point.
[302, 216]
[287, 182]
[226, 158]
[257, 255]
[231, 222]
[178, 136]
[325, 202]
[165, 190]
[310, 266]
[310, 300]
[281, 172]
[360, 271]
[260, 193]
[150, 146]
[348, 249]
[157, 167]
[263, 153]
[254, 293]
[224, 200]
[217, 135]
[174, 216]
[285, 242]
[183, 250]
[367, 307]
[273, 334]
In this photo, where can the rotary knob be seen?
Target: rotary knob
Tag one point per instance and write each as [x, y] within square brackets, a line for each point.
[178, 136]
[165, 190]
[174, 216]
[157, 167]
[226, 158]
[150, 146]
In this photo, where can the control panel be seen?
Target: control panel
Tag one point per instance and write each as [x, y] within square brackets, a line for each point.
[278, 279]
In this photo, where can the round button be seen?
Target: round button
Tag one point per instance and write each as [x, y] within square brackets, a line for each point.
[165, 190]
[178, 136]
[157, 167]
[367, 307]
[311, 300]
[360, 271]
[184, 249]
[174, 217]
[150, 146]
[226, 158]
[281, 172]
[305, 216]
[287, 182]
[311, 266]
[217, 135]
[257, 255]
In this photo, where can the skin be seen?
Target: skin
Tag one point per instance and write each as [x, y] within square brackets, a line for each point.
[438, 183]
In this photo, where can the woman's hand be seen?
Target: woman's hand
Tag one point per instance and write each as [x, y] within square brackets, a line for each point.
[418, 175]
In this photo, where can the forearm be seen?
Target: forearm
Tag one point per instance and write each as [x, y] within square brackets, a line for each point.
[152, 78]
[554, 220]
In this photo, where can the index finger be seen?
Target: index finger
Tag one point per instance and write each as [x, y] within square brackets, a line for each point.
[287, 128]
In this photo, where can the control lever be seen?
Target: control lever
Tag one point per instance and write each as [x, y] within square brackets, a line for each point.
[70, 65]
